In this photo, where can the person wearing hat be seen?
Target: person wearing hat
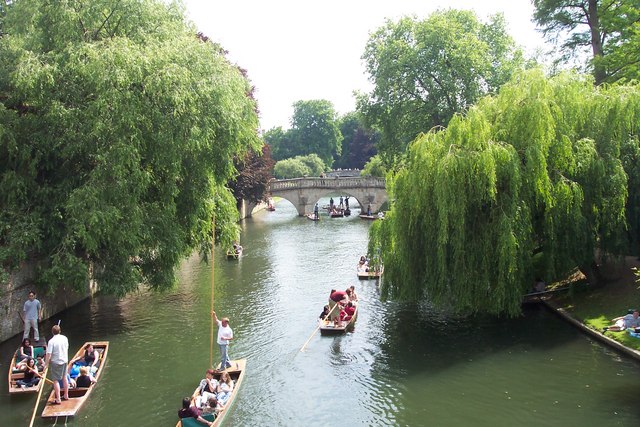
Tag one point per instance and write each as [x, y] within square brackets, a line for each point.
[622, 323]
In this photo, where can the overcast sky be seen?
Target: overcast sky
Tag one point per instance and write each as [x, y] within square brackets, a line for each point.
[299, 50]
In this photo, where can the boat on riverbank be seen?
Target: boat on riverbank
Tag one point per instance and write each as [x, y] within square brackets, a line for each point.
[18, 374]
[78, 395]
[328, 328]
[236, 372]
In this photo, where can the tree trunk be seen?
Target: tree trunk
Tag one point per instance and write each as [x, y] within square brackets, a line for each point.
[592, 273]
[599, 72]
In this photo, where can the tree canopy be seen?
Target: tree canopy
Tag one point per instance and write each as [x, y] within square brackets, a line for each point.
[118, 130]
[358, 145]
[254, 173]
[299, 166]
[314, 130]
[425, 71]
[535, 172]
[608, 29]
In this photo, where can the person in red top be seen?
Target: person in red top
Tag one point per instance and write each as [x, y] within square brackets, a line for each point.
[190, 411]
[348, 311]
[340, 298]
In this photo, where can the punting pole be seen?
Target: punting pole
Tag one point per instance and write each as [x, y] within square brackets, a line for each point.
[316, 330]
[35, 408]
[213, 244]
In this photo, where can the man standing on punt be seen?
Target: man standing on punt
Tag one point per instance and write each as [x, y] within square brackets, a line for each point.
[58, 357]
[225, 334]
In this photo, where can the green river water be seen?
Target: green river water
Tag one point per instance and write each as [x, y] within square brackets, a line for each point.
[404, 365]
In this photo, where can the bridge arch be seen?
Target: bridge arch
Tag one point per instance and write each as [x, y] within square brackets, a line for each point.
[305, 192]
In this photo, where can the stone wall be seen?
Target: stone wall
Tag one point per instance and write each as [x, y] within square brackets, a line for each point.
[14, 293]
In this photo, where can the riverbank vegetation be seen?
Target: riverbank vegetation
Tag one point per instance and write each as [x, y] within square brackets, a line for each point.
[119, 127]
[528, 184]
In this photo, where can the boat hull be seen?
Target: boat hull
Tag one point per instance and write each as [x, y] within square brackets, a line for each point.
[327, 328]
[77, 396]
[236, 372]
[15, 375]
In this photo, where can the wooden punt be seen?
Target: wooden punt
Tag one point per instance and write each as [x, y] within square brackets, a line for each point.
[17, 374]
[368, 217]
[375, 273]
[327, 327]
[231, 254]
[236, 372]
[312, 217]
[77, 396]
[337, 214]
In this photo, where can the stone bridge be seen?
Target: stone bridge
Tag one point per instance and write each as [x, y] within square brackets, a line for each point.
[305, 192]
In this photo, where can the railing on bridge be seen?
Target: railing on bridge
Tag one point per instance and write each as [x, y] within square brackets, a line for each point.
[330, 183]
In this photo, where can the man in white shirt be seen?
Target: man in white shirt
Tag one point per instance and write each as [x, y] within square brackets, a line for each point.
[57, 358]
[225, 334]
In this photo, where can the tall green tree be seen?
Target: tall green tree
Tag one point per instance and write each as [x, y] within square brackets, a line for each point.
[535, 171]
[118, 130]
[314, 129]
[358, 145]
[425, 71]
[280, 143]
[609, 30]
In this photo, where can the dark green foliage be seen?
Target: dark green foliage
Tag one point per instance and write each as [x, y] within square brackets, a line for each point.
[358, 145]
[118, 130]
[535, 170]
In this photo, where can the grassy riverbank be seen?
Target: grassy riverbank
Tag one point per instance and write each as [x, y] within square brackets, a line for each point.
[595, 307]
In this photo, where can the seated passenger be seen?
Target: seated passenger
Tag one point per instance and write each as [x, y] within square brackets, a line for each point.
[40, 363]
[354, 296]
[90, 358]
[30, 378]
[325, 312]
[630, 320]
[212, 406]
[84, 379]
[26, 353]
[190, 411]
[208, 388]
[348, 311]
[225, 387]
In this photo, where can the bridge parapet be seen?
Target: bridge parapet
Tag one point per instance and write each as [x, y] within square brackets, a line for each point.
[326, 183]
[303, 192]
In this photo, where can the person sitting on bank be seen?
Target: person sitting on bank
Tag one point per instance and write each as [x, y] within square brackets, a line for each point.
[30, 378]
[84, 379]
[90, 358]
[190, 411]
[622, 323]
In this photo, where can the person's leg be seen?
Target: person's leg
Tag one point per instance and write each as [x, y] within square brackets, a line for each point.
[36, 332]
[27, 327]
[65, 387]
[223, 356]
[56, 389]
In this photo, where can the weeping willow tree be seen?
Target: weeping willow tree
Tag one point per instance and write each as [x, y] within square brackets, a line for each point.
[529, 183]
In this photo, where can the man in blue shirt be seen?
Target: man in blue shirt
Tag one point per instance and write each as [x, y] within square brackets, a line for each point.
[32, 311]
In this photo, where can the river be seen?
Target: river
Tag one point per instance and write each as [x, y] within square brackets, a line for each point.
[404, 364]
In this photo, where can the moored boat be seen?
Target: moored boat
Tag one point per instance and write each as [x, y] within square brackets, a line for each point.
[328, 328]
[236, 372]
[78, 395]
[366, 272]
[368, 217]
[18, 374]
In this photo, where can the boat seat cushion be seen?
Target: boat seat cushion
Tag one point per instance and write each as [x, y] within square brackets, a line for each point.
[192, 422]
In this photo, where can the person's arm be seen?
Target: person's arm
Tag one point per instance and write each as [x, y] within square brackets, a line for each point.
[96, 358]
[203, 421]
[39, 311]
[215, 317]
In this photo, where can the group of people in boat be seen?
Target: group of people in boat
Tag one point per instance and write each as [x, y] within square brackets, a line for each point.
[341, 208]
[341, 307]
[30, 363]
[212, 396]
